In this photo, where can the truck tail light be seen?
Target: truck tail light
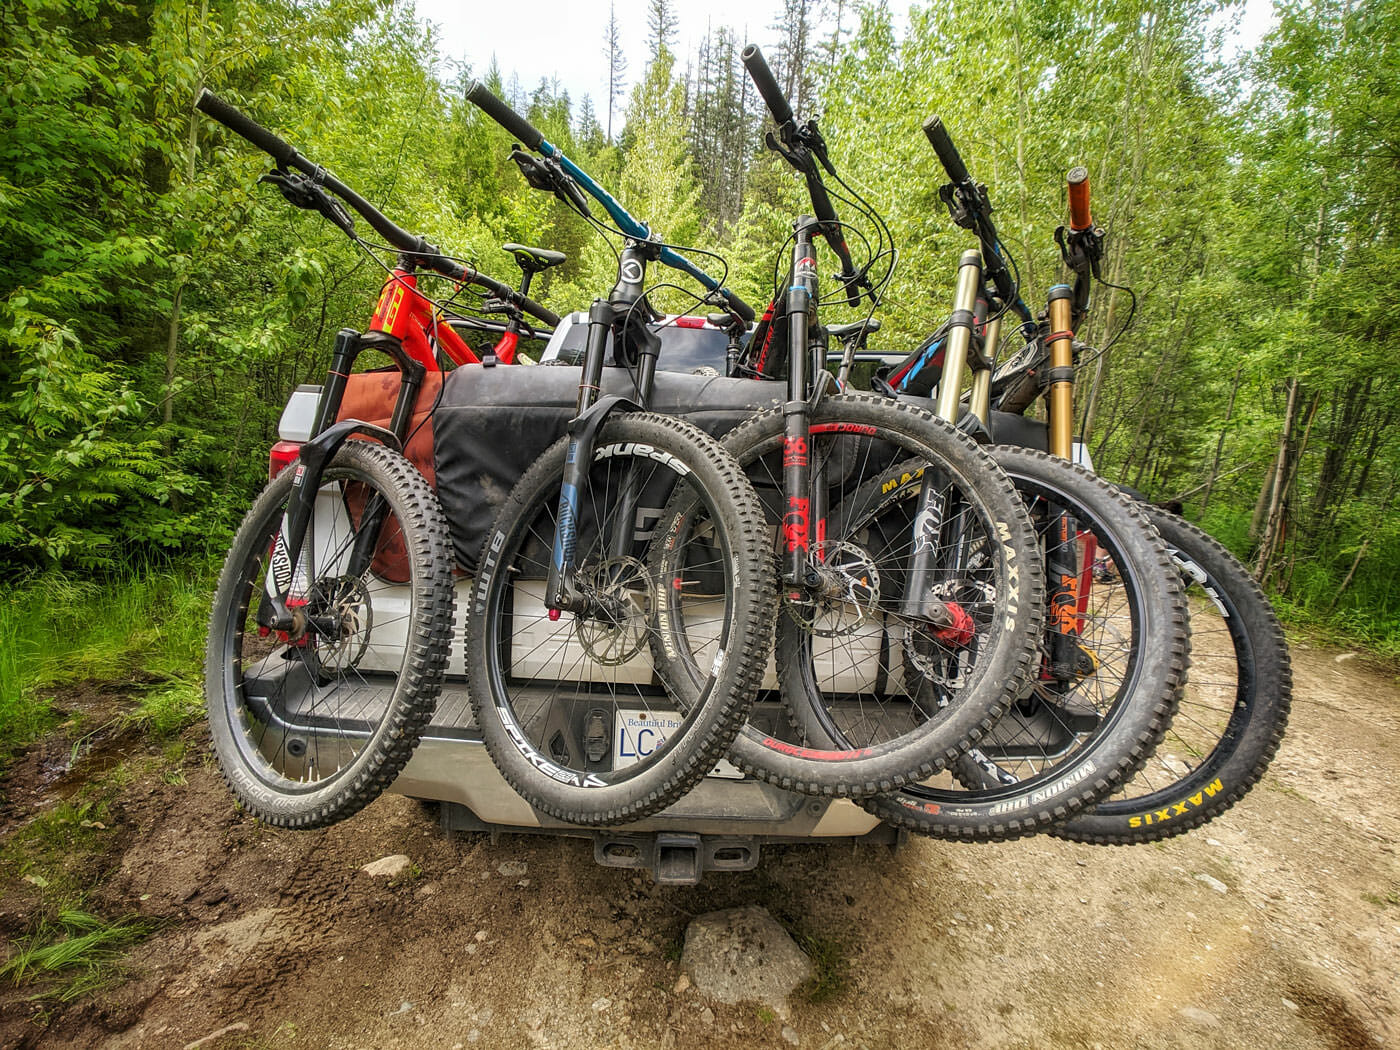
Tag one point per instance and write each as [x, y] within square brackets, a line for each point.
[283, 454]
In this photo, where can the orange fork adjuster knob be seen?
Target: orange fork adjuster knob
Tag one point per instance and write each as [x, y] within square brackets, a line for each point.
[1079, 198]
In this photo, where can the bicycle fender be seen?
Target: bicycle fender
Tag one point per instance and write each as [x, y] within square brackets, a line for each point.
[321, 449]
[306, 482]
[583, 429]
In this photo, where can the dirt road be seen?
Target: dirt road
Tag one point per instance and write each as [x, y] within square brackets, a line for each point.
[1278, 925]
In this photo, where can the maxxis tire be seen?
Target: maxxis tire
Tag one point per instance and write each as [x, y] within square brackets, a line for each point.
[824, 769]
[413, 505]
[1262, 697]
[1148, 696]
[722, 704]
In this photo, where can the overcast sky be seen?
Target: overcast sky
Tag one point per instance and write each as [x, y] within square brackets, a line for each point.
[540, 39]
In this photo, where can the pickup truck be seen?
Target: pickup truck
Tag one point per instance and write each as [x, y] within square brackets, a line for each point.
[719, 826]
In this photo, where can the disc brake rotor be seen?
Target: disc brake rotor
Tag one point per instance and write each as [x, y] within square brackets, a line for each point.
[617, 630]
[348, 603]
[849, 593]
[943, 664]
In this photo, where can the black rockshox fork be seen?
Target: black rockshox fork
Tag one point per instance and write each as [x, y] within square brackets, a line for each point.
[592, 410]
[280, 609]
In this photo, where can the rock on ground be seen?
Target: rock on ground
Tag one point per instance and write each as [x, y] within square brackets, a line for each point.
[742, 954]
[390, 867]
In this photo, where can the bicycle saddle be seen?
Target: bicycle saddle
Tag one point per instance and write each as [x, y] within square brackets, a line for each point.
[840, 331]
[533, 260]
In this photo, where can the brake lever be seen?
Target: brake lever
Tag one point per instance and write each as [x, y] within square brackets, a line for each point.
[816, 145]
[1081, 249]
[546, 174]
[496, 305]
[965, 202]
[791, 156]
[301, 192]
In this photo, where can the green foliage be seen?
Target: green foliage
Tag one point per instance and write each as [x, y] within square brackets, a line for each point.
[156, 306]
[831, 971]
[145, 624]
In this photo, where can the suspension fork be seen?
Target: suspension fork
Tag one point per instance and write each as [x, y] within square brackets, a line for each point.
[980, 403]
[1061, 557]
[932, 516]
[590, 413]
[287, 563]
[797, 470]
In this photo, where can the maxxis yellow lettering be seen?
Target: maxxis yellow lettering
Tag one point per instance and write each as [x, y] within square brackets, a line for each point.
[893, 483]
[1177, 809]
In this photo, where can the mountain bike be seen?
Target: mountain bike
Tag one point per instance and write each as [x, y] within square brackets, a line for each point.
[977, 618]
[321, 672]
[633, 535]
[1235, 702]
[1129, 670]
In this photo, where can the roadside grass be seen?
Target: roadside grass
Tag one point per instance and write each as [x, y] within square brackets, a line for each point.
[145, 625]
[73, 954]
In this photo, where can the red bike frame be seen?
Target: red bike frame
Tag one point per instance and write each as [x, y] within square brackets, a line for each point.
[405, 313]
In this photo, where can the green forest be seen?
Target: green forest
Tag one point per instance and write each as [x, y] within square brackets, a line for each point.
[157, 306]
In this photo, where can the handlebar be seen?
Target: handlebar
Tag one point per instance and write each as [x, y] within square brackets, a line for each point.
[804, 146]
[424, 251]
[525, 132]
[1079, 218]
[767, 84]
[1082, 245]
[948, 154]
[971, 209]
[497, 110]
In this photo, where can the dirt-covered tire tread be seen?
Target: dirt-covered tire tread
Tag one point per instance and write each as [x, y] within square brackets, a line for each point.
[427, 541]
[1153, 720]
[860, 778]
[1107, 823]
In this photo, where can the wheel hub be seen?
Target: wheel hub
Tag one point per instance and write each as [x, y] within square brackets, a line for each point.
[614, 629]
[351, 620]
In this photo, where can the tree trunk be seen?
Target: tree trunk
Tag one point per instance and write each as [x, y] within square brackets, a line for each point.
[1274, 535]
[1269, 537]
[1351, 574]
[1220, 442]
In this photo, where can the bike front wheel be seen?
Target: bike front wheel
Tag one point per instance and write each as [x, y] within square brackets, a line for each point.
[310, 725]
[881, 690]
[1233, 712]
[672, 560]
[1085, 726]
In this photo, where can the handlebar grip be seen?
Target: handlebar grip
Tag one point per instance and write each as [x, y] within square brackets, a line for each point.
[503, 115]
[948, 154]
[534, 309]
[743, 309]
[1078, 179]
[250, 129]
[767, 86]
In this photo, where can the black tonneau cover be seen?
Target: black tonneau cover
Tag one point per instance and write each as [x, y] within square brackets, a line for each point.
[493, 423]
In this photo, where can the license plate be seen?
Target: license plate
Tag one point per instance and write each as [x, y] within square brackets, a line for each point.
[640, 732]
